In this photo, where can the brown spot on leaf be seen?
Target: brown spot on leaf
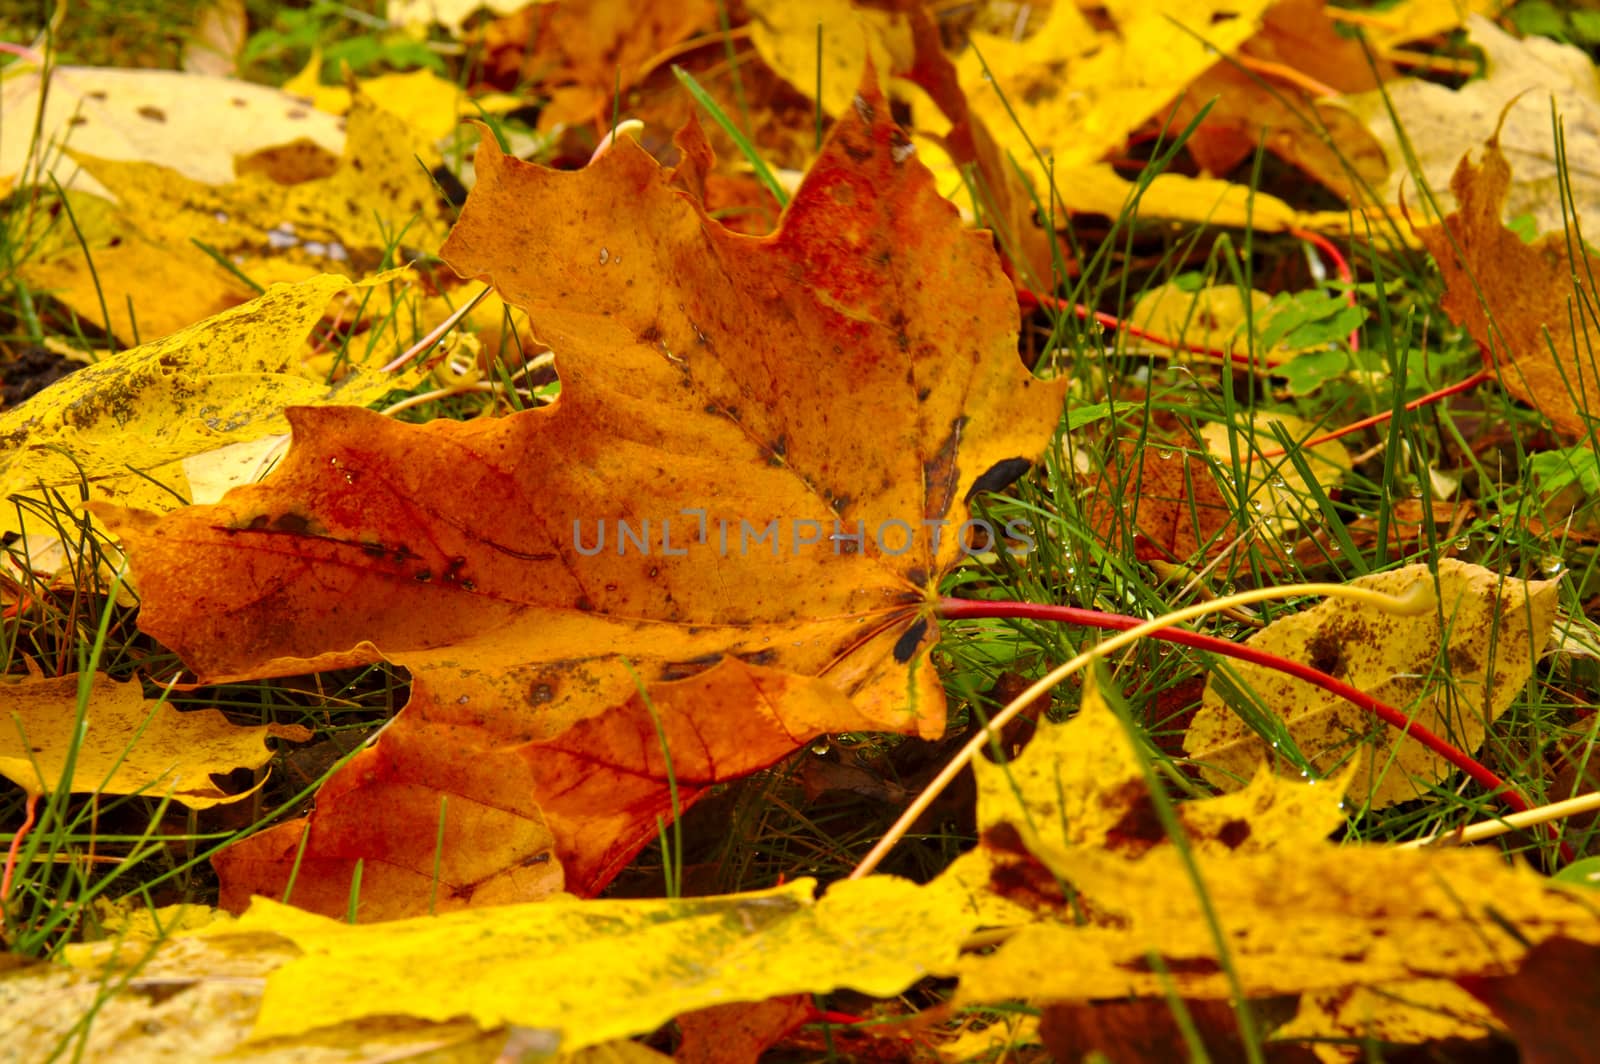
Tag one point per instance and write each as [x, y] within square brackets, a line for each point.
[1234, 833]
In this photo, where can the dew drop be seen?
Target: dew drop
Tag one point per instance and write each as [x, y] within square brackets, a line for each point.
[605, 256]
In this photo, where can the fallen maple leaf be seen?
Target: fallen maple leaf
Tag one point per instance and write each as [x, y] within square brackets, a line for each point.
[1075, 91]
[429, 103]
[580, 53]
[788, 36]
[1490, 630]
[1273, 490]
[739, 403]
[130, 745]
[1296, 913]
[1162, 498]
[1517, 299]
[738, 1033]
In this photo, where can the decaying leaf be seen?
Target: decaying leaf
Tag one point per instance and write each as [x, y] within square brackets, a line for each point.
[1071, 784]
[1298, 914]
[132, 744]
[1547, 1004]
[738, 1033]
[1147, 1029]
[1293, 921]
[736, 407]
[1244, 109]
[1455, 672]
[222, 380]
[1517, 299]
[1162, 498]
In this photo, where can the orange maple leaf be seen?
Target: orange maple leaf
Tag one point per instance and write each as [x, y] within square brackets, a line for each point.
[779, 435]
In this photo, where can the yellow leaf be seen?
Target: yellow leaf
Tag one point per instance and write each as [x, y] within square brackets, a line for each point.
[1078, 93]
[1298, 914]
[222, 380]
[1455, 678]
[1268, 813]
[1294, 920]
[1412, 20]
[132, 745]
[594, 971]
[1409, 1012]
[1213, 316]
[431, 105]
[1071, 779]
[786, 35]
[149, 289]
[1097, 188]
[129, 919]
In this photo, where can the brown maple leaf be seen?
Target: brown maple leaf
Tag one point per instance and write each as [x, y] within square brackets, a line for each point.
[580, 53]
[777, 436]
[1517, 299]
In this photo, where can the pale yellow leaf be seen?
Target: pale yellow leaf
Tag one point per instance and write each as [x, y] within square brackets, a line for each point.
[376, 195]
[415, 16]
[1455, 672]
[190, 122]
[1441, 125]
